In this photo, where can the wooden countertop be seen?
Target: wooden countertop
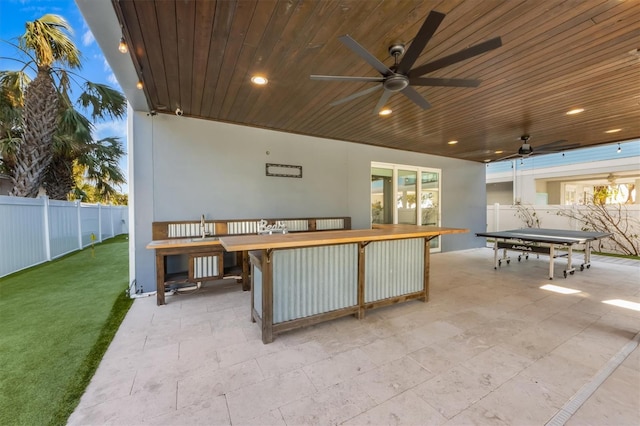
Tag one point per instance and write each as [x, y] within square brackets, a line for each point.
[184, 242]
[309, 239]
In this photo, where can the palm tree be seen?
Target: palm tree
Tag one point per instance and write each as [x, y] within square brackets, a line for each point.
[53, 133]
[47, 39]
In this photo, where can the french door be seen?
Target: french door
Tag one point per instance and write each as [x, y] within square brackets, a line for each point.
[403, 194]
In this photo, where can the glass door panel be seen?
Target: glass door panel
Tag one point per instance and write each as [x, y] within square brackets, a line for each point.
[430, 202]
[381, 195]
[406, 197]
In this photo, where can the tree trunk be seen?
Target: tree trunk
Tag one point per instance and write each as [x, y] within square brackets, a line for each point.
[35, 152]
[58, 181]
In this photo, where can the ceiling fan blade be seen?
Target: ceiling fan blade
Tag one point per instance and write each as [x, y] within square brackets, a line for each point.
[356, 95]
[506, 158]
[547, 145]
[364, 54]
[443, 82]
[425, 33]
[416, 97]
[345, 78]
[383, 100]
[470, 52]
[551, 150]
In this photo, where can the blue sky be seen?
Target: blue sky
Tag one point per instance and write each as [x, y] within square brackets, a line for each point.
[14, 14]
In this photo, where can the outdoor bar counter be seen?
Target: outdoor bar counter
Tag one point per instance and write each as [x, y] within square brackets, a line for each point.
[306, 278]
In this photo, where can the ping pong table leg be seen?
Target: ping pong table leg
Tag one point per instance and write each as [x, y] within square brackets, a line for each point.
[587, 256]
[551, 258]
[570, 269]
[495, 254]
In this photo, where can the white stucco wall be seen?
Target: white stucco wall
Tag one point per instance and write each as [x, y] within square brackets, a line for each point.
[182, 168]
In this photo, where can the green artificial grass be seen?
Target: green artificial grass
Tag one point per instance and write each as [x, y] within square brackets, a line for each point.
[57, 321]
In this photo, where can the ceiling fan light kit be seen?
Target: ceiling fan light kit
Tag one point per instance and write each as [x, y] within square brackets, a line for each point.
[401, 77]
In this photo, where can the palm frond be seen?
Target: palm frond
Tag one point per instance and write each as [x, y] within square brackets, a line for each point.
[103, 100]
[75, 126]
[48, 37]
[13, 85]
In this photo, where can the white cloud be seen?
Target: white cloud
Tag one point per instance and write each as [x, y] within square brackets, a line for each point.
[111, 78]
[87, 38]
[113, 128]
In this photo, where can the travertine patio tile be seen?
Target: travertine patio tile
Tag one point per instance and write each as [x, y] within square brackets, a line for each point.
[243, 351]
[212, 412]
[455, 390]
[260, 398]
[404, 409]
[391, 379]
[497, 364]
[200, 359]
[197, 389]
[561, 375]
[330, 406]
[517, 402]
[448, 353]
[612, 402]
[338, 368]
[291, 359]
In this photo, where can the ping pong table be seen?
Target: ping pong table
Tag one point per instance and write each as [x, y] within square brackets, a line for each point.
[545, 241]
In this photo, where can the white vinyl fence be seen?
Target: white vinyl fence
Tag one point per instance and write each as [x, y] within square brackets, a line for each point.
[36, 230]
[504, 217]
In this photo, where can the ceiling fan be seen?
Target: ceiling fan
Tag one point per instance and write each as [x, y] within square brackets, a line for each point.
[401, 77]
[526, 149]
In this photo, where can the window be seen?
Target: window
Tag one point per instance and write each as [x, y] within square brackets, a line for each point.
[406, 195]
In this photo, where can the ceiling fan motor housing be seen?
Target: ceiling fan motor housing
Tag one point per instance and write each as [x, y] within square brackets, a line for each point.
[525, 149]
[396, 82]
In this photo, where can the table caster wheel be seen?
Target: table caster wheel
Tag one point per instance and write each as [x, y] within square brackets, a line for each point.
[499, 263]
[565, 274]
[572, 272]
[588, 266]
[508, 261]
[582, 267]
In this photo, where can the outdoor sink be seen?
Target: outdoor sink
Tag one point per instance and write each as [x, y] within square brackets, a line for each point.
[195, 240]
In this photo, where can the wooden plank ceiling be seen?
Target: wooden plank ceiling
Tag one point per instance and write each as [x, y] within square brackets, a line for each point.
[555, 56]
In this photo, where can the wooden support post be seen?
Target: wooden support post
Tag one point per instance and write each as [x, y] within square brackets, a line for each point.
[159, 279]
[267, 297]
[361, 268]
[246, 284]
[427, 258]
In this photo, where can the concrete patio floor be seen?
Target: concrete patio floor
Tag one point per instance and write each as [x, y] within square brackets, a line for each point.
[489, 348]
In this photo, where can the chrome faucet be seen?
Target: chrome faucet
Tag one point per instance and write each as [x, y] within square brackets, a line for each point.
[203, 230]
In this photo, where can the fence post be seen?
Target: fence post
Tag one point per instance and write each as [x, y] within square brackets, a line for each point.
[99, 222]
[47, 232]
[79, 206]
[111, 220]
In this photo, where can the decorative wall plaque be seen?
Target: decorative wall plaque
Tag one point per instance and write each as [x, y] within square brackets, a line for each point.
[284, 170]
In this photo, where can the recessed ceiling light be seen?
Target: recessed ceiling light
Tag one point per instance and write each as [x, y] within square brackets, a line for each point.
[259, 80]
[575, 111]
[498, 151]
[139, 85]
[613, 131]
[452, 142]
[487, 160]
[385, 111]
